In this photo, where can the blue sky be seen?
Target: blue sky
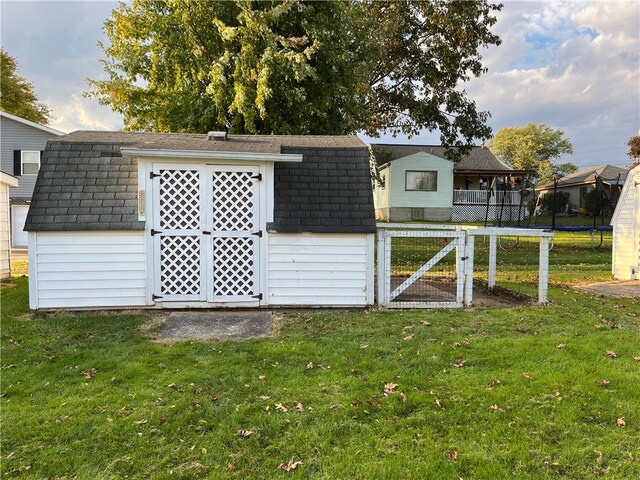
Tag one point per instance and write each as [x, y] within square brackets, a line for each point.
[574, 65]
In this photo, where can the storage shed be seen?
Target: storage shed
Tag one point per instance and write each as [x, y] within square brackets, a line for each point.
[626, 230]
[180, 220]
[6, 182]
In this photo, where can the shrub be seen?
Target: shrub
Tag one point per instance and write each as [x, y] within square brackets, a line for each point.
[554, 202]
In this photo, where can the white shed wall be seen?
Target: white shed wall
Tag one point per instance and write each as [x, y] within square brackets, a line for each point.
[5, 261]
[626, 230]
[320, 269]
[87, 269]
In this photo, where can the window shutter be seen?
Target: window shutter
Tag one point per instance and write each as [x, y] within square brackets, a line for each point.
[17, 163]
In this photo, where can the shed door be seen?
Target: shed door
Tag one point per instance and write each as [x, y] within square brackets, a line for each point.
[206, 233]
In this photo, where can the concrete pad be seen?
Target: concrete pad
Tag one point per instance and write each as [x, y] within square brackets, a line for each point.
[620, 289]
[210, 325]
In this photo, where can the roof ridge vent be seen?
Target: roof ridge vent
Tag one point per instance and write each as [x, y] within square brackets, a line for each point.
[217, 136]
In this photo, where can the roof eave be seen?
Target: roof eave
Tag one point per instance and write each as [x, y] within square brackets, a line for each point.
[24, 121]
[217, 155]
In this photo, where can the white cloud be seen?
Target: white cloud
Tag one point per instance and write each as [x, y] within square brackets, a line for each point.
[80, 113]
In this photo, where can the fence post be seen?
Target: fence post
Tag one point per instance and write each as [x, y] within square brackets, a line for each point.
[381, 267]
[468, 270]
[543, 275]
[493, 254]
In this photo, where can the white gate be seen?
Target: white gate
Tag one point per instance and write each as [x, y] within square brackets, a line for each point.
[206, 233]
[416, 282]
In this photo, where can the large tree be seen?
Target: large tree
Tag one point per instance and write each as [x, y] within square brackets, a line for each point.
[534, 148]
[17, 95]
[298, 67]
[634, 149]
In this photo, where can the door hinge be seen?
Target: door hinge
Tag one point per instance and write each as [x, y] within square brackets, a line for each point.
[153, 175]
[463, 258]
[155, 297]
[206, 232]
[257, 234]
[155, 232]
[259, 296]
[257, 176]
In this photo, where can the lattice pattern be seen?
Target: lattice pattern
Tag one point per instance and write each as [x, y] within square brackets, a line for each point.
[179, 265]
[477, 213]
[180, 199]
[233, 266]
[232, 201]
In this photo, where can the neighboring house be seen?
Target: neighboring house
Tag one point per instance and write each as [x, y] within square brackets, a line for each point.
[21, 146]
[181, 220]
[6, 182]
[420, 183]
[579, 184]
[626, 230]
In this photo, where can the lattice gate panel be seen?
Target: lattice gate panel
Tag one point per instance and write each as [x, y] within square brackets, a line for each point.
[180, 265]
[233, 265]
[180, 199]
[232, 201]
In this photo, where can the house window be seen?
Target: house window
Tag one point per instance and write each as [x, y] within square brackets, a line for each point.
[421, 181]
[30, 161]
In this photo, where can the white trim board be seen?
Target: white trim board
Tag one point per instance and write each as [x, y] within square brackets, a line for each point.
[243, 156]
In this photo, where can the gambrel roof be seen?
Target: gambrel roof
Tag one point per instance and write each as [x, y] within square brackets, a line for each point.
[86, 183]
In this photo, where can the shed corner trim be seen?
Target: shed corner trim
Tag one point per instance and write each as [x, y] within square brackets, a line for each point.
[214, 155]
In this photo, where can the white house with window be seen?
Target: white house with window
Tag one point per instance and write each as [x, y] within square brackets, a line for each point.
[418, 182]
[21, 146]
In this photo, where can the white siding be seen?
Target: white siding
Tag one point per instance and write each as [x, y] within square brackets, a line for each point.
[401, 197]
[320, 269]
[626, 230]
[5, 263]
[87, 269]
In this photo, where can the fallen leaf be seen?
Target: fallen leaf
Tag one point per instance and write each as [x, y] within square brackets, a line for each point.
[612, 354]
[264, 397]
[404, 397]
[261, 377]
[300, 407]
[496, 408]
[281, 408]
[356, 402]
[453, 456]
[53, 358]
[425, 323]
[493, 383]
[409, 337]
[309, 365]
[171, 385]
[637, 358]
[198, 391]
[374, 405]
[163, 420]
[89, 373]
[230, 466]
[336, 405]
[456, 345]
[603, 383]
[363, 346]
[289, 465]
[561, 346]
[408, 327]
[140, 422]
[214, 398]
[621, 423]
[390, 388]
[460, 362]
[527, 376]
[245, 433]
[439, 404]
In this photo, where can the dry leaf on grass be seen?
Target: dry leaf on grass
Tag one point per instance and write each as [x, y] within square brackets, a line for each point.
[198, 391]
[527, 376]
[214, 398]
[140, 422]
[453, 456]
[300, 407]
[261, 377]
[89, 373]
[496, 408]
[439, 404]
[245, 433]
[637, 358]
[603, 383]
[404, 397]
[281, 408]
[493, 383]
[390, 388]
[621, 423]
[374, 405]
[612, 354]
[309, 365]
[357, 402]
[409, 337]
[289, 465]
[408, 327]
[460, 362]
[163, 420]
[425, 323]
[561, 346]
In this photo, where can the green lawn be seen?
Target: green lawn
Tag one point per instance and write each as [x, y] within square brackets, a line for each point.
[518, 407]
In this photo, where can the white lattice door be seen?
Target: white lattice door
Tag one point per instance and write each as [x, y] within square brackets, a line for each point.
[206, 233]
[235, 233]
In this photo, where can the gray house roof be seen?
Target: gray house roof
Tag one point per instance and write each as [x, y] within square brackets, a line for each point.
[480, 158]
[608, 173]
[85, 183]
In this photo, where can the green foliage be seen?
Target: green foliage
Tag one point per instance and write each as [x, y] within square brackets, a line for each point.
[563, 169]
[295, 67]
[634, 148]
[16, 94]
[554, 202]
[532, 147]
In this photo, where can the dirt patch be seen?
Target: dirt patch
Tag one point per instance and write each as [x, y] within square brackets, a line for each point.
[618, 289]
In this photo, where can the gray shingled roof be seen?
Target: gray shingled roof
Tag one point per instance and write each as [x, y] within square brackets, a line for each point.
[85, 183]
[480, 158]
[608, 173]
